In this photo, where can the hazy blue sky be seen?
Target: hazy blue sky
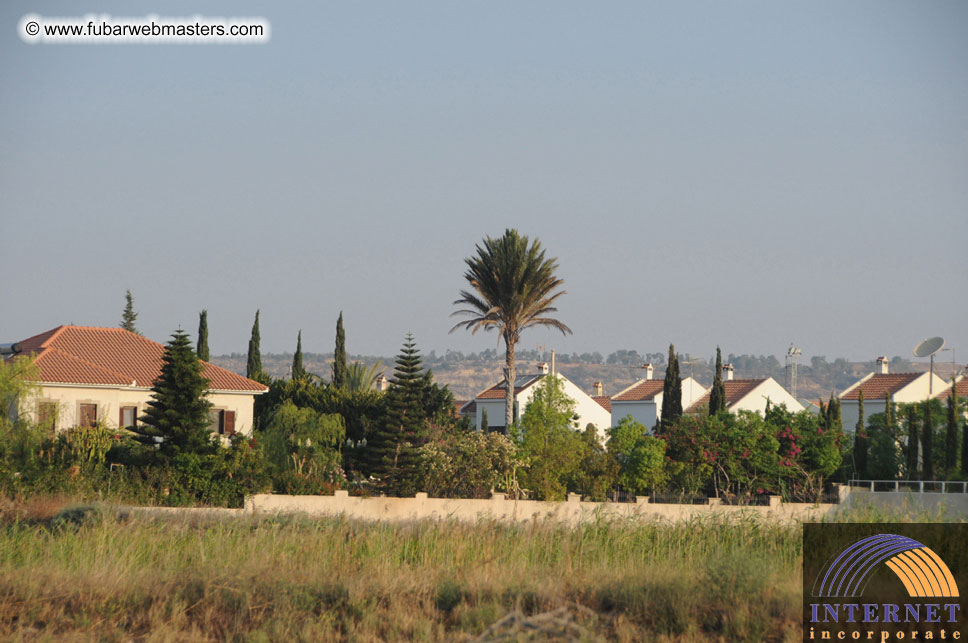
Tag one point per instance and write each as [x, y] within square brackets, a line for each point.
[748, 174]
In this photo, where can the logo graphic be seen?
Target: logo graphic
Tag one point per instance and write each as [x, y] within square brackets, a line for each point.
[922, 571]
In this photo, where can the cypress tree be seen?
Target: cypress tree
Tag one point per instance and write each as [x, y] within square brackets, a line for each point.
[484, 421]
[128, 316]
[394, 448]
[178, 410]
[951, 432]
[860, 439]
[964, 450]
[202, 349]
[253, 366]
[888, 413]
[717, 395]
[339, 355]
[298, 372]
[912, 446]
[671, 392]
[927, 438]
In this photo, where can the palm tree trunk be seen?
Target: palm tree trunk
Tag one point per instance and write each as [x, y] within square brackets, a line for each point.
[509, 373]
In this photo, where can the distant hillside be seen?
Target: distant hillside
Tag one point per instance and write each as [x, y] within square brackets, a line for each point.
[466, 375]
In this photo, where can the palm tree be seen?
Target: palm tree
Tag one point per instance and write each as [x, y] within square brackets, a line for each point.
[513, 289]
[360, 377]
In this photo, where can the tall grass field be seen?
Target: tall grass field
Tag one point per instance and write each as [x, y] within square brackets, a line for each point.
[99, 573]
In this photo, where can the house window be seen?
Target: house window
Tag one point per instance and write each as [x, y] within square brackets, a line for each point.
[129, 417]
[88, 415]
[47, 416]
[222, 422]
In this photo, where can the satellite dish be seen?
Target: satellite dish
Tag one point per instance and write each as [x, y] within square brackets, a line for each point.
[930, 346]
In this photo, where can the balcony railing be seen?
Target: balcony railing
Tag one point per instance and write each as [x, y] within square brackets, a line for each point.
[912, 486]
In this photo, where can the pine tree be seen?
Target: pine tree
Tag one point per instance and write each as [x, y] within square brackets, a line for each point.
[339, 355]
[298, 371]
[717, 394]
[178, 410]
[202, 349]
[860, 439]
[912, 445]
[671, 392]
[927, 449]
[253, 366]
[128, 317]
[951, 432]
[394, 447]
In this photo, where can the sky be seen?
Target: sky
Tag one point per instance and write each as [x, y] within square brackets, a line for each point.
[744, 174]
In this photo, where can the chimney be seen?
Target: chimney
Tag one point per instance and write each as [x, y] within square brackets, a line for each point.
[382, 383]
[599, 389]
[543, 368]
[647, 367]
[882, 362]
[727, 372]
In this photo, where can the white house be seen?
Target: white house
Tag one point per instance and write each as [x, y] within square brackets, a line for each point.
[588, 410]
[749, 395]
[643, 399]
[86, 375]
[901, 387]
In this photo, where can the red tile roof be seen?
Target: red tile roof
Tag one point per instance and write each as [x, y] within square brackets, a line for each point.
[469, 408]
[114, 357]
[880, 383]
[961, 388]
[640, 391]
[735, 391]
[605, 402]
[498, 391]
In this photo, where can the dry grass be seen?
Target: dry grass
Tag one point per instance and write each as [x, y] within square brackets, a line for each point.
[88, 574]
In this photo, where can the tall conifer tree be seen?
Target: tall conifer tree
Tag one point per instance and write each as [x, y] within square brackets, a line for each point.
[717, 395]
[912, 445]
[394, 448]
[128, 316]
[964, 450]
[253, 366]
[202, 348]
[671, 392]
[178, 410]
[298, 371]
[927, 447]
[339, 355]
[860, 439]
[951, 431]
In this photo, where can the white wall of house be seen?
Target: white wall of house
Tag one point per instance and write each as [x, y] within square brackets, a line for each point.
[109, 401]
[648, 412]
[756, 399]
[915, 391]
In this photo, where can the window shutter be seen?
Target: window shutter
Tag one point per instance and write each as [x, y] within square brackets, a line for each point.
[121, 417]
[229, 422]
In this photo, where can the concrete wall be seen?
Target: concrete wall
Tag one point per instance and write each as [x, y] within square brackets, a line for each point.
[109, 401]
[950, 506]
[645, 413]
[498, 507]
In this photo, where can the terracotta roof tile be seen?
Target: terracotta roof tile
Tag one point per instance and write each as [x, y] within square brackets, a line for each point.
[735, 391]
[961, 388]
[499, 390]
[605, 402]
[640, 391]
[113, 356]
[880, 383]
[469, 408]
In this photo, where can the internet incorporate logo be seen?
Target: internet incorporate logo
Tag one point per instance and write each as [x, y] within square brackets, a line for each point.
[922, 571]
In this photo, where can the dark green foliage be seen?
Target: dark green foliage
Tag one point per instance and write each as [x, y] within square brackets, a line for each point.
[484, 421]
[253, 365]
[884, 452]
[671, 392]
[598, 472]
[912, 443]
[178, 411]
[512, 288]
[951, 432]
[964, 450]
[128, 317]
[860, 439]
[339, 355]
[202, 348]
[927, 443]
[298, 370]
[393, 449]
[717, 394]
